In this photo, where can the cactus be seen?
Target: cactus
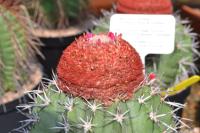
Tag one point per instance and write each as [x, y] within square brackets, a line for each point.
[105, 91]
[17, 47]
[56, 13]
[176, 67]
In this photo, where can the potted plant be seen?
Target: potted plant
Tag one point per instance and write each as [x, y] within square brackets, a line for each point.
[112, 94]
[19, 71]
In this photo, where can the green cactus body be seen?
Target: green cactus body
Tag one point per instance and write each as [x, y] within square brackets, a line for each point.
[7, 57]
[17, 48]
[146, 112]
[11, 33]
[51, 113]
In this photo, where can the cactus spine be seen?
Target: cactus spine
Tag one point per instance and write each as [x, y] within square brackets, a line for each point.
[57, 112]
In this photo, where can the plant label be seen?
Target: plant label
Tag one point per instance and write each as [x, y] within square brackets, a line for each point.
[148, 34]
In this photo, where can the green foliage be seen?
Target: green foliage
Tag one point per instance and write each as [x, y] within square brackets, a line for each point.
[58, 112]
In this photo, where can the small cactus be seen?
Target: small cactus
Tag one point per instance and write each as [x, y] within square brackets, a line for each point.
[106, 92]
[17, 47]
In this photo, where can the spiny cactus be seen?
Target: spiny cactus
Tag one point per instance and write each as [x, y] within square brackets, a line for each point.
[175, 67]
[56, 13]
[17, 47]
[92, 70]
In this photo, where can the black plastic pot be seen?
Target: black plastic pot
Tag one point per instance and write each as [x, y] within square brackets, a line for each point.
[11, 117]
[9, 120]
[52, 50]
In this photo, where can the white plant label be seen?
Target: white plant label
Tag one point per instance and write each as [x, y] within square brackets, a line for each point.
[148, 34]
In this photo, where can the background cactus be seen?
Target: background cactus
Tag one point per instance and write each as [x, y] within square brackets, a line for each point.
[17, 47]
[143, 111]
[57, 13]
[175, 67]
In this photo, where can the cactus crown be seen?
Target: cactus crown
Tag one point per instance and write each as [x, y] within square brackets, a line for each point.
[110, 68]
[17, 46]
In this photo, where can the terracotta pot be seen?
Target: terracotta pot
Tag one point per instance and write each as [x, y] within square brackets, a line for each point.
[193, 13]
[97, 5]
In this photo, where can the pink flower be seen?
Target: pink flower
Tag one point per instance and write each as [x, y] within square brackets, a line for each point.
[111, 35]
[152, 76]
[89, 35]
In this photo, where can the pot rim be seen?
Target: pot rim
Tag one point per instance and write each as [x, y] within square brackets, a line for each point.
[34, 80]
[57, 33]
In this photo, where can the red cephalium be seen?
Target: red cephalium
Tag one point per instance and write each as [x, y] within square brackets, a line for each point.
[102, 67]
[145, 6]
